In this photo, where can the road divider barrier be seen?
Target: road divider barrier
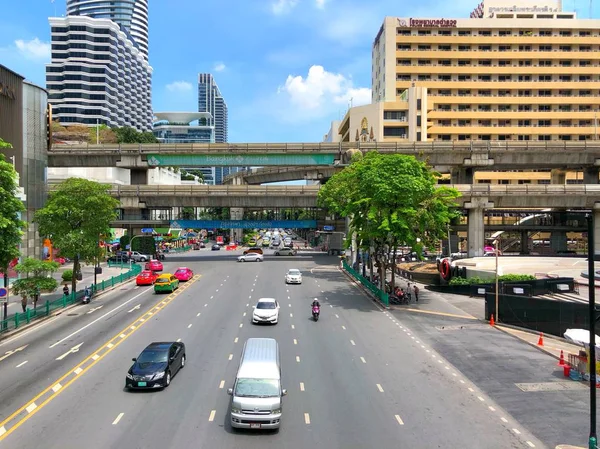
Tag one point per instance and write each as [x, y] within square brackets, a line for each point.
[379, 294]
[44, 309]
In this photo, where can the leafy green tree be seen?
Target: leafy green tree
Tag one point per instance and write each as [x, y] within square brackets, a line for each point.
[127, 134]
[392, 200]
[76, 214]
[11, 225]
[38, 278]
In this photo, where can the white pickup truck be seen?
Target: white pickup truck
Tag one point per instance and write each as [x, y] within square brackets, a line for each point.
[139, 257]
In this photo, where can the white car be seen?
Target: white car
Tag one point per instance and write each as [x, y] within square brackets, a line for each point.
[266, 311]
[285, 252]
[293, 276]
[251, 257]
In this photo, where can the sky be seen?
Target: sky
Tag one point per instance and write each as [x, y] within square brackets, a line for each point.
[286, 68]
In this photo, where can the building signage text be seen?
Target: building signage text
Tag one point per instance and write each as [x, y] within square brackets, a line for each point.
[7, 91]
[427, 23]
[515, 8]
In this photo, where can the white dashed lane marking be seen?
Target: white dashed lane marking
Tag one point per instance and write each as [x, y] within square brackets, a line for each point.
[399, 420]
[117, 419]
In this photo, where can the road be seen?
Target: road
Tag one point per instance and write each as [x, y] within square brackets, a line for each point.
[357, 378]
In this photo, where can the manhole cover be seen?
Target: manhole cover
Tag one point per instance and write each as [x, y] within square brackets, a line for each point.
[460, 327]
[551, 386]
[72, 314]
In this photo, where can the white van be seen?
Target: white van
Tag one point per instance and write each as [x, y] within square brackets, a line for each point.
[256, 396]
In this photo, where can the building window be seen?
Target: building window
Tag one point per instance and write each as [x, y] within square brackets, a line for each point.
[424, 32]
[565, 33]
[544, 137]
[389, 131]
[505, 33]
[564, 137]
[464, 32]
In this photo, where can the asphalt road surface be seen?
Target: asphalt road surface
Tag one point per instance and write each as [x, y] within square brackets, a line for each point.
[356, 378]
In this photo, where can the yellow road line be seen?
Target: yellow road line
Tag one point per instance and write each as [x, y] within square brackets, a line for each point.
[31, 408]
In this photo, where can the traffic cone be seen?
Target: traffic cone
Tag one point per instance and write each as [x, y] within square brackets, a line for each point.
[541, 339]
[492, 323]
[561, 362]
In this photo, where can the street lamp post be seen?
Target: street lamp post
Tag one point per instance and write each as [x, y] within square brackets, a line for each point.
[131, 246]
[592, 320]
[497, 302]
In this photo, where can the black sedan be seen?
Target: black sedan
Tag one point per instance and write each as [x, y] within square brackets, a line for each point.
[156, 365]
[216, 247]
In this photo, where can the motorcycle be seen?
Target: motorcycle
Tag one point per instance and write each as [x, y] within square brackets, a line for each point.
[315, 312]
[87, 297]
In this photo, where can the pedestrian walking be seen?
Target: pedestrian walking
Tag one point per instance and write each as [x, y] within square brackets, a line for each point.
[24, 303]
[416, 293]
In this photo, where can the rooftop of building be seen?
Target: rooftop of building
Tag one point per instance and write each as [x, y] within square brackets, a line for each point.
[181, 117]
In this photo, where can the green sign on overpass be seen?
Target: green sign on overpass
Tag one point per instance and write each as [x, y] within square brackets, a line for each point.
[238, 160]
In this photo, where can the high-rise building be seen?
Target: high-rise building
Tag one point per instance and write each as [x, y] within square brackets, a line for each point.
[524, 72]
[210, 100]
[130, 15]
[97, 75]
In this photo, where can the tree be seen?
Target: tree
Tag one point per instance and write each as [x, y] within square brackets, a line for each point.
[127, 134]
[11, 225]
[392, 200]
[76, 214]
[38, 278]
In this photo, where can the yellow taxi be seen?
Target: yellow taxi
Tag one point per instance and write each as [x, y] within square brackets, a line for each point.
[166, 282]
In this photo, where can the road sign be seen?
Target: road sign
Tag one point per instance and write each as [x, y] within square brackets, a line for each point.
[3, 295]
[147, 230]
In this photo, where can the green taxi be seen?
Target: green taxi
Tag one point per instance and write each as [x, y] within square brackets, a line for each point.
[166, 282]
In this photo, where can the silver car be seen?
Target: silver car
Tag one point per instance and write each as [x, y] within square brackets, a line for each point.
[293, 276]
[251, 257]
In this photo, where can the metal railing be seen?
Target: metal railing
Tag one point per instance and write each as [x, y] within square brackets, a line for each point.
[210, 190]
[384, 147]
[44, 309]
[526, 189]
[270, 170]
[381, 296]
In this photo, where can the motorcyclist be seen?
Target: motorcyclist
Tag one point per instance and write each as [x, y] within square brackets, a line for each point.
[316, 303]
[87, 292]
[66, 290]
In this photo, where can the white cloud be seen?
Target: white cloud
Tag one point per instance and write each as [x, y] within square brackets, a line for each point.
[320, 3]
[219, 67]
[34, 49]
[283, 6]
[179, 86]
[322, 92]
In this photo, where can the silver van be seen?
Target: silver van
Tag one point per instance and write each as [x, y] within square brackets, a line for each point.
[256, 396]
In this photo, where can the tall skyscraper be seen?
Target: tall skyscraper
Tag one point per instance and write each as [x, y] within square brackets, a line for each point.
[130, 15]
[210, 100]
[99, 72]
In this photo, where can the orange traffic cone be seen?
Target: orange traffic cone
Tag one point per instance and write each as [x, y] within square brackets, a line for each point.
[492, 323]
[541, 339]
[561, 362]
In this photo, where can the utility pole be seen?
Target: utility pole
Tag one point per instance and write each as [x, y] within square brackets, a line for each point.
[592, 320]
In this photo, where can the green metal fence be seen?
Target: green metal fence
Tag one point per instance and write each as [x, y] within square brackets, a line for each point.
[44, 309]
[180, 250]
[382, 296]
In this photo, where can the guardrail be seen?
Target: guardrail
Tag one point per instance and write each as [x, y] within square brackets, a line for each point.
[381, 296]
[271, 170]
[526, 189]
[19, 319]
[393, 147]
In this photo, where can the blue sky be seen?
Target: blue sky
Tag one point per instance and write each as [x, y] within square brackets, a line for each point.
[286, 68]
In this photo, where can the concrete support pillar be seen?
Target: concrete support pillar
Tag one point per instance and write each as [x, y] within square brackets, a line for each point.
[558, 241]
[590, 175]
[139, 176]
[524, 242]
[475, 227]
[462, 175]
[596, 212]
[236, 213]
[558, 176]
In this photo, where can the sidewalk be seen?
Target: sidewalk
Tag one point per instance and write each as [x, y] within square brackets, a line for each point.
[552, 345]
[14, 304]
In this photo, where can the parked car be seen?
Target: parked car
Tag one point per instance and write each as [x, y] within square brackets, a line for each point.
[154, 265]
[251, 257]
[139, 257]
[216, 247]
[146, 277]
[166, 282]
[285, 252]
[119, 260]
[183, 274]
[156, 365]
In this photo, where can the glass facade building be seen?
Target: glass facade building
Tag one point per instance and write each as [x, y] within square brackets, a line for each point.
[130, 15]
[210, 100]
[97, 75]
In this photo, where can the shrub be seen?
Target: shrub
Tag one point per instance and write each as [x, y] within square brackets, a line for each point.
[67, 275]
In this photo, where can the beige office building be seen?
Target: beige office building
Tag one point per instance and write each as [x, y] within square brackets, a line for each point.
[513, 71]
